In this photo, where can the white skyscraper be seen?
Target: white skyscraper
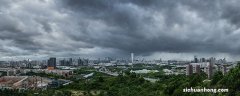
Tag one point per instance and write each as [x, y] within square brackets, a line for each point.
[132, 57]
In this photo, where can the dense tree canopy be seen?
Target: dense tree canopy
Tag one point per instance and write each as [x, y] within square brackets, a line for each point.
[132, 84]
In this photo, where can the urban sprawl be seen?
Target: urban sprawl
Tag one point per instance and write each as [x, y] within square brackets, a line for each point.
[19, 74]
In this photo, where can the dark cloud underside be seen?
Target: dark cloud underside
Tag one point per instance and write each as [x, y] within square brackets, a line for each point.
[100, 27]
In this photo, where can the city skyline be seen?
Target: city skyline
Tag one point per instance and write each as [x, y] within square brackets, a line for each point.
[152, 29]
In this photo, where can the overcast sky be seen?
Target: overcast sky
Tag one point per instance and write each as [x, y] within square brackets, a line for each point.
[169, 29]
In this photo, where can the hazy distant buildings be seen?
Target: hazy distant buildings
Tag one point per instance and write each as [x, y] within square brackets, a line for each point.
[202, 60]
[62, 62]
[29, 64]
[84, 62]
[70, 62]
[51, 63]
[66, 62]
[80, 62]
[195, 59]
[199, 60]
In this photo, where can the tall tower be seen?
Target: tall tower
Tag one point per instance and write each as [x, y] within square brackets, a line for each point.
[197, 69]
[210, 67]
[80, 62]
[70, 62]
[210, 71]
[51, 63]
[132, 57]
[189, 69]
[195, 59]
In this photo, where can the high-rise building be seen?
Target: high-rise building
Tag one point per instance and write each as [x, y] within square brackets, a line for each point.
[132, 57]
[52, 63]
[197, 69]
[80, 62]
[203, 60]
[210, 68]
[195, 59]
[63, 62]
[85, 62]
[210, 71]
[66, 62]
[189, 69]
[70, 62]
[28, 64]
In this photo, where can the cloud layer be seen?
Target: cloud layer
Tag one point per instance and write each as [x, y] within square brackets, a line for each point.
[116, 28]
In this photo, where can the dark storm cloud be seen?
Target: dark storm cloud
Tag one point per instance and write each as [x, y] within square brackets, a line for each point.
[231, 13]
[202, 22]
[33, 27]
[67, 27]
[9, 30]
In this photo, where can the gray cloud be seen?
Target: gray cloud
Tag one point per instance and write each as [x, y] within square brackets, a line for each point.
[72, 27]
[184, 26]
